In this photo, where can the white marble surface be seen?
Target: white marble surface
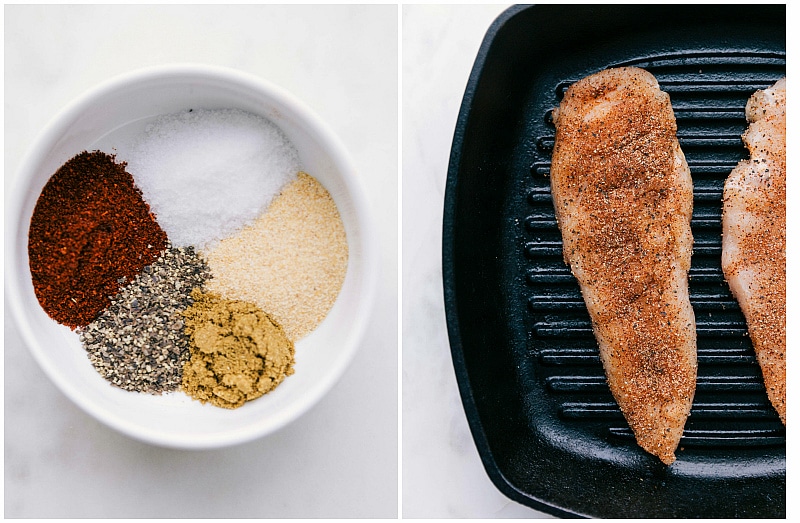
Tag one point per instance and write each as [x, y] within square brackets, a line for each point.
[442, 473]
[341, 458]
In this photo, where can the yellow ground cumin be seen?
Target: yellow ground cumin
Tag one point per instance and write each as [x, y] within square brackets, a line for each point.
[237, 352]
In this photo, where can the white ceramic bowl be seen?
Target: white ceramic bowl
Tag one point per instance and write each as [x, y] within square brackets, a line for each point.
[106, 118]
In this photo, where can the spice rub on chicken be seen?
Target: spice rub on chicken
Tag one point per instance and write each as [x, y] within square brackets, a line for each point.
[622, 193]
[754, 236]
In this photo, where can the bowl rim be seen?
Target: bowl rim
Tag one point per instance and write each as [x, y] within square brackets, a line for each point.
[353, 184]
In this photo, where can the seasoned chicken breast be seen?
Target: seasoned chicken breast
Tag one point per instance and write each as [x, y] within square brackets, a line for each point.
[754, 236]
[623, 198]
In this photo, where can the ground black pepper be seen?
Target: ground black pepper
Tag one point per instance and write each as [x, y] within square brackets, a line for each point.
[139, 342]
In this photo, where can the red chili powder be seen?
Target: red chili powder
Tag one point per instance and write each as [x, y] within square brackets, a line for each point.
[91, 232]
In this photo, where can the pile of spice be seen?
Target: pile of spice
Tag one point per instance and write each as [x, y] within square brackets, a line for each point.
[238, 352]
[90, 230]
[139, 342]
[207, 173]
[290, 262]
[251, 257]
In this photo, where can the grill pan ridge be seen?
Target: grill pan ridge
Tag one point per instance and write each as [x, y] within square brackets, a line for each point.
[548, 430]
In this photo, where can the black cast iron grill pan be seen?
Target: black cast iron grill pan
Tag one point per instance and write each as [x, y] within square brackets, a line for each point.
[548, 430]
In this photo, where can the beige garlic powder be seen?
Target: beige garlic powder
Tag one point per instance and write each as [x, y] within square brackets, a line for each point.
[291, 262]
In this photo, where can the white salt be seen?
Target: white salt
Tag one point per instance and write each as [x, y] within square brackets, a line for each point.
[208, 173]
